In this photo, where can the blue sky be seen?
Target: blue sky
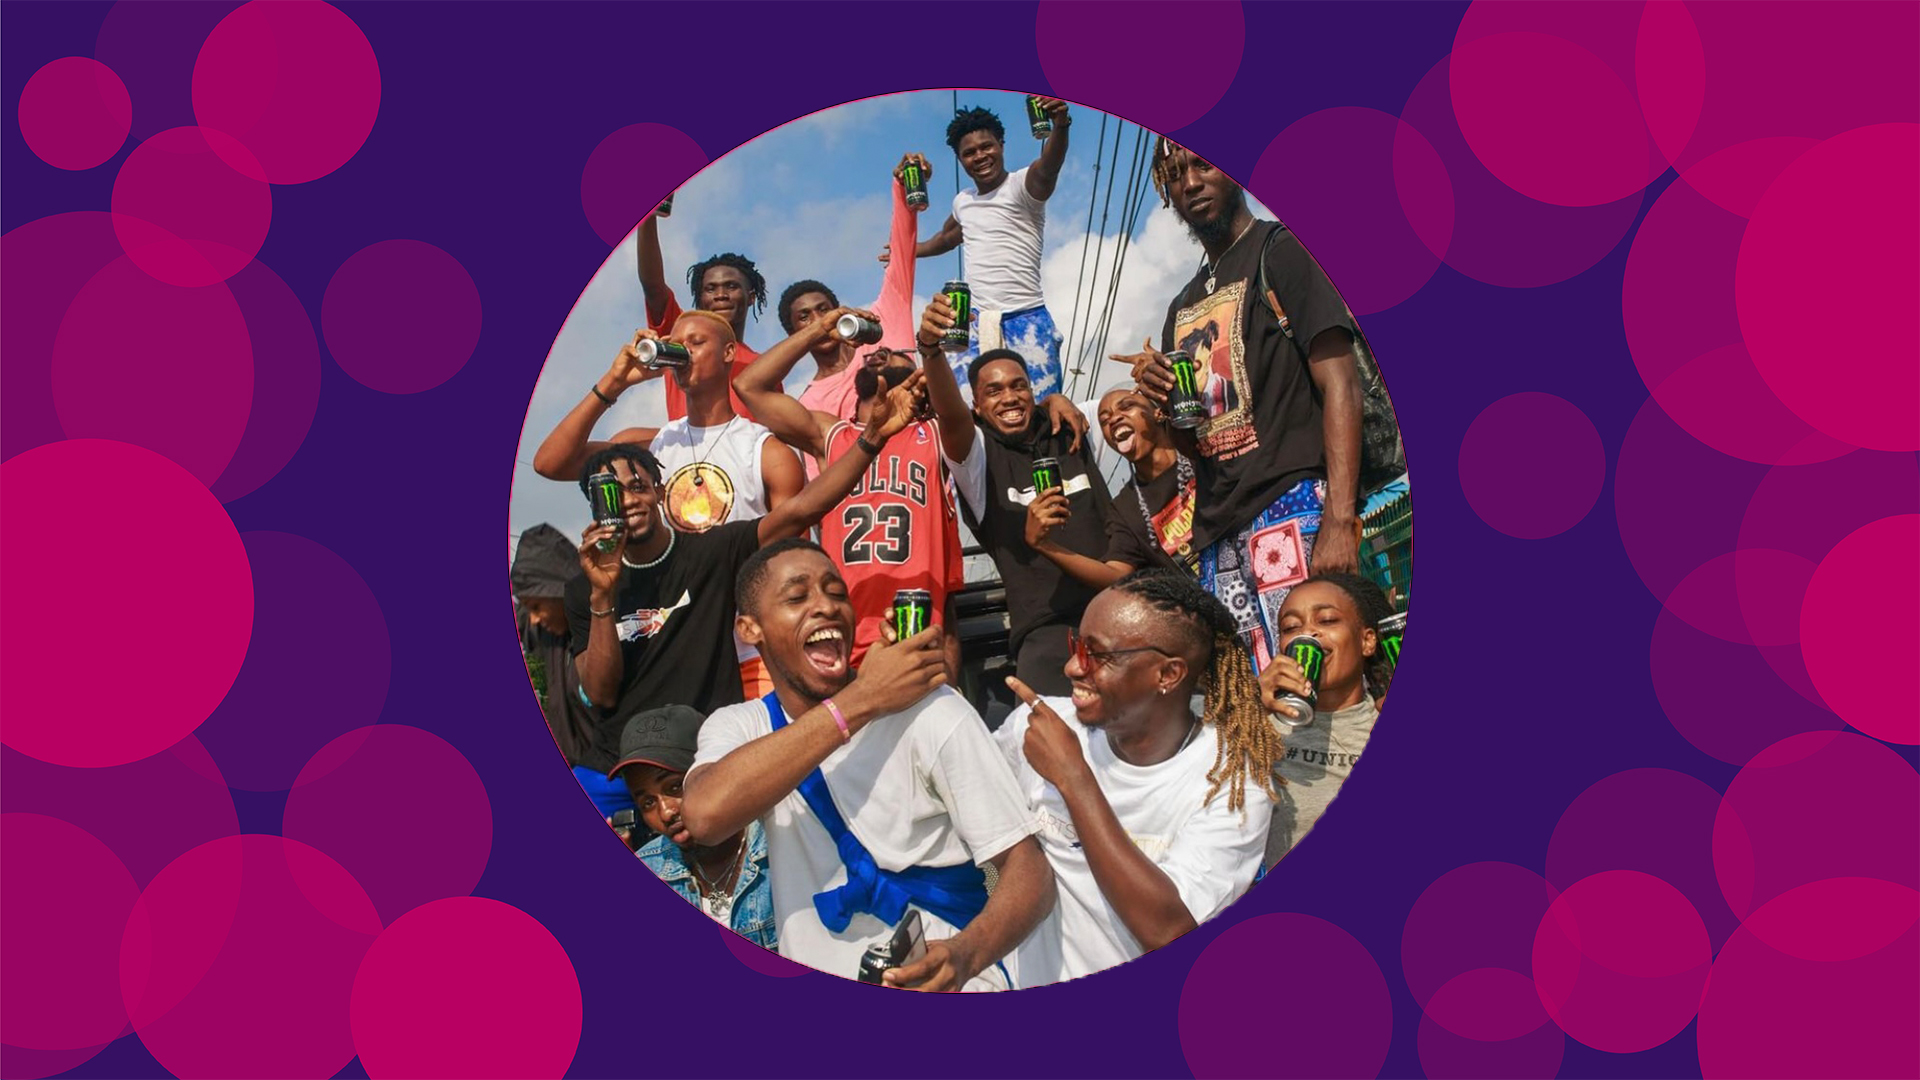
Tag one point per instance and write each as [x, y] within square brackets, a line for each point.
[811, 199]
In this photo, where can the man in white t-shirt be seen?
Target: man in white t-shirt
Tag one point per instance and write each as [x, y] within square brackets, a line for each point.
[922, 796]
[1153, 819]
[1002, 220]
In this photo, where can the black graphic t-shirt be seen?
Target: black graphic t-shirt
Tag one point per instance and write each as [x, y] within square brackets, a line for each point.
[675, 624]
[1263, 434]
[1164, 540]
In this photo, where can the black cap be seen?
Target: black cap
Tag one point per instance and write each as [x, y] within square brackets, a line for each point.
[666, 737]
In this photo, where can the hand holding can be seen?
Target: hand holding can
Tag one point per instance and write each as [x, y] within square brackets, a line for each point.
[1038, 118]
[960, 300]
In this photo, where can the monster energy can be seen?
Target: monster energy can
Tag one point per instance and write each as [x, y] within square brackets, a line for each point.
[960, 299]
[655, 353]
[603, 490]
[665, 209]
[1391, 629]
[876, 961]
[857, 330]
[914, 179]
[912, 612]
[1183, 402]
[1312, 658]
[1038, 118]
[1046, 474]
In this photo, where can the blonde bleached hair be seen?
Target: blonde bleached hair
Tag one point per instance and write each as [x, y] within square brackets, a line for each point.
[718, 320]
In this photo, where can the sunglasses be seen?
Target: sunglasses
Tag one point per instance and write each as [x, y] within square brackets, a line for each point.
[1077, 649]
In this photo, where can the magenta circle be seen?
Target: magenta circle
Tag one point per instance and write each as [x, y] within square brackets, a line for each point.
[1721, 696]
[1800, 922]
[75, 113]
[1656, 821]
[1531, 465]
[765, 961]
[1676, 501]
[43, 265]
[1853, 597]
[1619, 961]
[20, 1063]
[337, 652]
[1677, 303]
[1734, 179]
[1767, 1013]
[1770, 836]
[1550, 120]
[1352, 218]
[295, 82]
[1533, 1056]
[1076, 45]
[1851, 206]
[401, 316]
[1669, 75]
[1480, 915]
[1501, 237]
[183, 211]
[428, 1003]
[1749, 597]
[240, 957]
[347, 797]
[286, 381]
[1487, 1004]
[116, 803]
[161, 366]
[1225, 1014]
[67, 901]
[630, 171]
[176, 679]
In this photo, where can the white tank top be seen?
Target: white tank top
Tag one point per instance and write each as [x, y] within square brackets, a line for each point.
[712, 476]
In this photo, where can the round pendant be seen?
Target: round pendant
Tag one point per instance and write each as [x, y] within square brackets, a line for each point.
[699, 480]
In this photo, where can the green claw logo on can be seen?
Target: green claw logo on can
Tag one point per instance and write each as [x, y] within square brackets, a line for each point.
[912, 612]
[1184, 404]
[1046, 474]
[1311, 656]
[1037, 117]
[603, 491]
[960, 298]
[1392, 628]
[915, 182]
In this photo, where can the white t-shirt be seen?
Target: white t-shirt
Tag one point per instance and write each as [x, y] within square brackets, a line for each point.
[712, 476]
[1002, 232]
[1210, 852]
[923, 787]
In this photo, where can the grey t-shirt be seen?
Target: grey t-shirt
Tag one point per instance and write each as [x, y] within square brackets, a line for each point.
[1319, 758]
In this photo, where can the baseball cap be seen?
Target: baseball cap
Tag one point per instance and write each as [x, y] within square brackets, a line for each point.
[665, 737]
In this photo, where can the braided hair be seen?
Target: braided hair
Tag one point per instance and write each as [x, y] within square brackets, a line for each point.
[967, 121]
[1250, 745]
[1373, 606]
[697, 275]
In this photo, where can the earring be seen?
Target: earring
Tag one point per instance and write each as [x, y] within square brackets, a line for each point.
[1163, 691]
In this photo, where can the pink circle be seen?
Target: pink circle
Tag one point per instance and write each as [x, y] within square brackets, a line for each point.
[20, 1063]
[1535, 1055]
[240, 956]
[286, 381]
[1488, 1004]
[67, 902]
[1620, 960]
[168, 685]
[1476, 916]
[1226, 1013]
[75, 113]
[631, 171]
[1077, 43]
[183, 211]
[116, 803]
[167, 368]
[1500, 236]
[764, 961]
[1669, 74]
[1677, 503]
[1863, 591]
[401, 316]
[1734, 179]
[1850, 206]
[1816, 806]
[428, 1003]
[43, 266]
[1531, 465]
[1656, 821]
[295, 82]
[348, 796]
[1768, 1013]
[1720, 695]
[1798, 922]
[340, 632]
[1550, 120]
[1352, 218]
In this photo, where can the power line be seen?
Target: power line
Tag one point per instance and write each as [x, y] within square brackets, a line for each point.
[1086, 235]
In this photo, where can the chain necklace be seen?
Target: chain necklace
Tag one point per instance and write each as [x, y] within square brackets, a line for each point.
[699, 473]
[672, 537]
[716, 895]
[1213, 268]
[1183, 473]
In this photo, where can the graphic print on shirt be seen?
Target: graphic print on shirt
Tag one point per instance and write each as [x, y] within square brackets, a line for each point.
[699, 496]
[1210, 329]
[1279, 556]
[647, 622]
[879, 531]
[1173, 529]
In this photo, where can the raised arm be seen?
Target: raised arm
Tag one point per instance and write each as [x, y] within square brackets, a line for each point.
[568, 446]
[1053, 153]
[956, 420]
[760, 386]
[888, 417]
[653, 272]
[1335, 372]
[895, 304]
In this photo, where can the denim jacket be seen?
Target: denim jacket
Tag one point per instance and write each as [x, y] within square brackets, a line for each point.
[752, 916]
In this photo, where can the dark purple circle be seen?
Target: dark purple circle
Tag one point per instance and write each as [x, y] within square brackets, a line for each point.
[286, 381]
[1481, 915]
[1531, 465]
[43, 265]
[1721, 695]
[1533, 1056]
[631, 170]
[1077, 44]
[401, 316]
[315, 671]
[1676, 501]
[152, 45]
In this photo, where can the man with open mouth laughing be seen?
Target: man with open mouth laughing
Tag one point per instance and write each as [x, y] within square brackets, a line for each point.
[879, 792]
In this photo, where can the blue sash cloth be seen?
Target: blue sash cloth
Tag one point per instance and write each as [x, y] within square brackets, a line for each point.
[954, 893]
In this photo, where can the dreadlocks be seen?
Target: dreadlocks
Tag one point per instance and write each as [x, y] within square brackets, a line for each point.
[1169, 159]
[967, 121]
[697, 275]
[1373, 606]
[1250, 746]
